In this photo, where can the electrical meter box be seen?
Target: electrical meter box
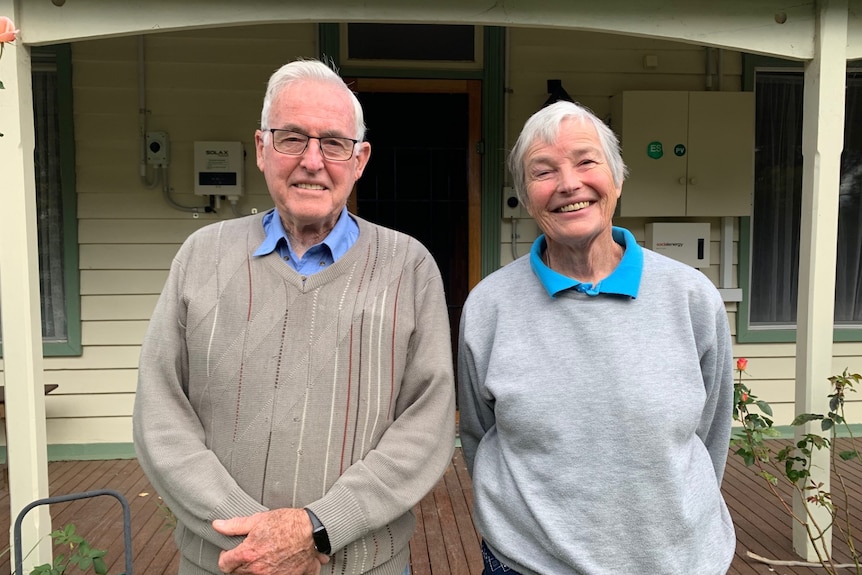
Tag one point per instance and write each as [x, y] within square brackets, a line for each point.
[684, 242]
[219, 168]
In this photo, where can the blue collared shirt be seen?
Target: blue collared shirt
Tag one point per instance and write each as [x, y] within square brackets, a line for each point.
[624, 280]
[319, 256]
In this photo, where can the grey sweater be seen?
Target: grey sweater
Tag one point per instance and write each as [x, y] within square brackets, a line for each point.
[596, 429]
[260, 388]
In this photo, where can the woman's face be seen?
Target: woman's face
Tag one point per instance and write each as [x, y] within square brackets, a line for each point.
[570, 188]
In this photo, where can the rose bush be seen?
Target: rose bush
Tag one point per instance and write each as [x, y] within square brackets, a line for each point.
[792, 463]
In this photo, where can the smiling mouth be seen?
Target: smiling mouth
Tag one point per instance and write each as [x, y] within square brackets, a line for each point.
[573, 207]
[310, 186]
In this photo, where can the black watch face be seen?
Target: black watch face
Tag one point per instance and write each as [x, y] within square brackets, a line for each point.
[321, 540]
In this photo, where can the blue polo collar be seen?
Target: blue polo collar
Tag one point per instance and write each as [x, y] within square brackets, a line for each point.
[624, 280]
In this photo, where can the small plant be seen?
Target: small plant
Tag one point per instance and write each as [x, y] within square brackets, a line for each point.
[80, 554]
[792, 464]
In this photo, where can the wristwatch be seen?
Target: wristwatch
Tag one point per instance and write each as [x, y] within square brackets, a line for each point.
[319, 534]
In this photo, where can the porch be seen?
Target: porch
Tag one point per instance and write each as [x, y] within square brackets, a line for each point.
[445, 543]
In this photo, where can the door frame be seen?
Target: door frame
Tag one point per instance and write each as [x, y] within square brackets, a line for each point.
[473, 90]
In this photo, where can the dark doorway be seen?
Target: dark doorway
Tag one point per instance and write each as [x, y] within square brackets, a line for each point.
[418, 178]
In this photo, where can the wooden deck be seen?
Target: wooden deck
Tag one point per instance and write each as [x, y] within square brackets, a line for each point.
[445, 542]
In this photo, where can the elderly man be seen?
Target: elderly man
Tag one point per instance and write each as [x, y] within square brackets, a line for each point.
[296, 393]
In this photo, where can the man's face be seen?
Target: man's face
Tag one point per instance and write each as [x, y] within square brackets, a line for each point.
[570, 187]
[308, 190]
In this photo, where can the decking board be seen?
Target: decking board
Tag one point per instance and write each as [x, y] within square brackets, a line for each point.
[446, 541]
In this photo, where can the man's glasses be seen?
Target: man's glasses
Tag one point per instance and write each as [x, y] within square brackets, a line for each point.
[295, 143]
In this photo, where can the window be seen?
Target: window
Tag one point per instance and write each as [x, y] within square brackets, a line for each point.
[410, 42]
[424, 46]
[775, 222]
[55, 200]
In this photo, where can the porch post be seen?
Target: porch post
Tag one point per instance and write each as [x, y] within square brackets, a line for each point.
[822, 142]
[19, 297]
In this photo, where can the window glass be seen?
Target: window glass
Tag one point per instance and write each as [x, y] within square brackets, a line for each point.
[778, 198]
[49, 204]
[410, 42]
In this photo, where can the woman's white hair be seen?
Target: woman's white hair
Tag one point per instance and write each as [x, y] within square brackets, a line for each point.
[544, 126]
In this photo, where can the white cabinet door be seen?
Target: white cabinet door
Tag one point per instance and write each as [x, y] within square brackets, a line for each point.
[653, 125]
[721, 164]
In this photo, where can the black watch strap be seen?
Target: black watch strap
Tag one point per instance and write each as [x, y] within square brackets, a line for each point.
[319, 534]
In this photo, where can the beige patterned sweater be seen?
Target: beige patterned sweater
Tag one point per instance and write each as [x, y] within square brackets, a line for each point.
[260, 388]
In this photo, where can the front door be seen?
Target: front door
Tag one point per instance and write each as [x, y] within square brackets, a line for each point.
[423, 176]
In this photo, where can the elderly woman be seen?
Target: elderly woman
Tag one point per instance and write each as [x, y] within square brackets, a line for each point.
[596, 381]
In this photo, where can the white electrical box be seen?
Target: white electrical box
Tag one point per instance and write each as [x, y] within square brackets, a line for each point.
[512, 207]
[158, 149]
[684, 242]
[219, 169]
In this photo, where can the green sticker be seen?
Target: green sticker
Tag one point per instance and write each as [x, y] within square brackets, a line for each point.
[654, 150]
[679, 150]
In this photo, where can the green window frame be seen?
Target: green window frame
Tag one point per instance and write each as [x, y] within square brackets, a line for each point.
[57, 208]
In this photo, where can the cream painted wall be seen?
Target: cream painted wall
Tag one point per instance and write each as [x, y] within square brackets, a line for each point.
[208, 85]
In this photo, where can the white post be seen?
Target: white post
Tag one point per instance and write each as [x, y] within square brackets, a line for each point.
[822, 142]
[19, 296]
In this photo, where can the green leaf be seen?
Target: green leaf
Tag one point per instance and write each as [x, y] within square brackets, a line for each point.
[805, 418]
[848, 455]
[2, 87]
[99, 566]
[769, 477]
[819, 442]
[764, 407]
[826, 424]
